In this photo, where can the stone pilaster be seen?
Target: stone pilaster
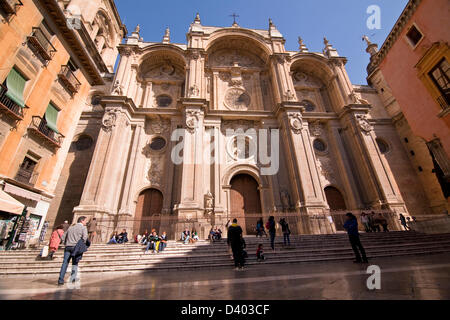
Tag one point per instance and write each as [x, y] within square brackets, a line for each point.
[308, 191]
[375, 174]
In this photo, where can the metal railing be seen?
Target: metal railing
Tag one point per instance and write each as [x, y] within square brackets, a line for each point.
[10, 6]
[39, 126]
[39, 41]
[9, 106]
[69, 79]
[444, 101]
[23, 176]
[173, 225]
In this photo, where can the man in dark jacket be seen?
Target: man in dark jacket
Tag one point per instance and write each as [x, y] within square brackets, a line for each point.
[70, 239]
[351, 225]
[235, 241]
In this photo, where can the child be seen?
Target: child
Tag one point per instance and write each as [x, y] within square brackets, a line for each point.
[260, 253]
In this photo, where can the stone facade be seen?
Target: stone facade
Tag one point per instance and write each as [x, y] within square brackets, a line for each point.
[336, 143]
[52, 45]
[401, 72]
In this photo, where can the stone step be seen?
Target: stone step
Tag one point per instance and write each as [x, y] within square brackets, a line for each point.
[211, 249]
[278, 241]
[228, 264]
[149, 260]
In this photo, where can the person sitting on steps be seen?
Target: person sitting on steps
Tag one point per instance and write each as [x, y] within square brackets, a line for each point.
[185, 236]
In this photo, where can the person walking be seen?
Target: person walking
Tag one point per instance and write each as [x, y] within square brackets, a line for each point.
[65, 225]
[365, 222]
[286, 231]
[270, 225]
[374, 223]
[71, 239]
[55, 240]
[92, 229]
[403, 222]
[235, 241]
[260, 228]
[351, 225]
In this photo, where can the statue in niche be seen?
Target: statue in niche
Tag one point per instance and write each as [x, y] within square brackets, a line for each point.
[117, 89]
[285, 200]
[209, 203]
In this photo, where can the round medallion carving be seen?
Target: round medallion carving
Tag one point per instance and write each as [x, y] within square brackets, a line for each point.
[237, 99]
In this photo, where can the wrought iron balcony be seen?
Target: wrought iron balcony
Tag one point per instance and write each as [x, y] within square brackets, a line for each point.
[68, 78]
[10, 6]
[444, 100]
[41, 44]
[24, 176]
[39, 127]
[8, 106]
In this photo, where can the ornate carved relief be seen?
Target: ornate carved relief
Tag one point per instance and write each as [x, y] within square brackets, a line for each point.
[192, 118]
[159, 126]
[237, 99]
[357, 99]
[302, 79]
[227, 58]
[316, 128]
[364, 123]
[117, 89]
[194, 91]
[289, 95]
[110, 118]
[295, 121]
[155, 169]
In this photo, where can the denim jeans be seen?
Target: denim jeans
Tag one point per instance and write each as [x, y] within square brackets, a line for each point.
[185, 238]
[162, 246]
[67, 256]
[150, 245]
[286, 237]
[272, 239]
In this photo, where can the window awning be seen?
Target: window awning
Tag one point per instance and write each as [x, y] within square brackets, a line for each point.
[51, 116]
[15, 83]
[9, 204]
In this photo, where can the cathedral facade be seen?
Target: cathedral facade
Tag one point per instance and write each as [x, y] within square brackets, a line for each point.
[231, 124]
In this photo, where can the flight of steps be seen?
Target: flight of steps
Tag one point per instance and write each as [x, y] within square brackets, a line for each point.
[178, 256]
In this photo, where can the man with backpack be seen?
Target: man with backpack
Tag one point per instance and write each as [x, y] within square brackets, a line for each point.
[286, 231]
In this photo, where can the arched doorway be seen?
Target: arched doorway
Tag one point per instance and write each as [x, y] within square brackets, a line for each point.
[148, 211]
[335, 199]
[245, 202]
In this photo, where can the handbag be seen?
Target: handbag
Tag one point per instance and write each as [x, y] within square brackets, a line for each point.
[44, 252]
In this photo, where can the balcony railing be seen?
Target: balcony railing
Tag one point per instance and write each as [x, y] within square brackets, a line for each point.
[444, 101]
[24, 176]
[39, 127]
[10, 6]
[68, 78]
[8, 106]
[39, 41]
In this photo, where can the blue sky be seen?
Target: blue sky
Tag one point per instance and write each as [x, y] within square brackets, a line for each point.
[342, 22]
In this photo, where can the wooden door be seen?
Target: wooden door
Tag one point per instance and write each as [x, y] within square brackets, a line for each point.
[245, 202]
[148, 211]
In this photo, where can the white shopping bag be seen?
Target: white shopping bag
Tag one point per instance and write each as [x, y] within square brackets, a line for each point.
[44, 252]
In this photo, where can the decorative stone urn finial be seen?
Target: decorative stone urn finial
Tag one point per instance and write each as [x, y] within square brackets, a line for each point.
[137, 29]
[197, 18]
[166, 38]
[302, 47]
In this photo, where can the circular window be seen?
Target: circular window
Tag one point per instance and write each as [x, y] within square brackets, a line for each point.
[83, 143]
[157, 144]
[163, 101]
[309, 106]
[383, 146]
[319, 145]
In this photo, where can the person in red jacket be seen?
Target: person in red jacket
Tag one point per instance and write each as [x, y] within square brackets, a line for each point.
[55, 240]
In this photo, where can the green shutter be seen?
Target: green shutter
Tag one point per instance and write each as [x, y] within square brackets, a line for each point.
[15, 83]
[51, 115]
